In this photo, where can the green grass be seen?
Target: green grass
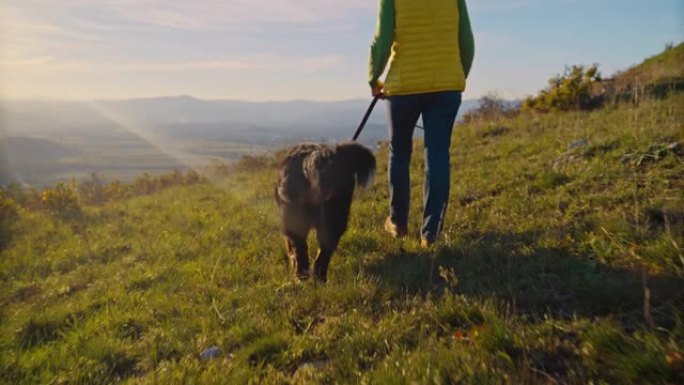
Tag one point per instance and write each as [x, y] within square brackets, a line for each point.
[657, 75]
[115, 156]
[665, 66]
[558, 227]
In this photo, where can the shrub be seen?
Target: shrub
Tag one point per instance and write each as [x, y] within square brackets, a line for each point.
[490, 107]
[143, 184]
[250, 163]
[147, 184]
[192, 177]
[62, 201]
[28, 198]
[578, 88]
[9, 214]
[8, 209]
[116, 190]
[91, 191]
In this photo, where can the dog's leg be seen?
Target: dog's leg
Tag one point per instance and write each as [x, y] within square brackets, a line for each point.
[297, 251]
[291, 254]
[296, 223]
[329, 230]
[321, 263]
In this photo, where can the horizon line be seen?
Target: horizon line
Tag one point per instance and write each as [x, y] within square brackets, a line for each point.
[186, 96]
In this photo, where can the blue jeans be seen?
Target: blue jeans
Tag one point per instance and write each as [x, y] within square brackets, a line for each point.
[439, 111]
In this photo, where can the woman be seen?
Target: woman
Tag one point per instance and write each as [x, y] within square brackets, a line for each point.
[430, 47]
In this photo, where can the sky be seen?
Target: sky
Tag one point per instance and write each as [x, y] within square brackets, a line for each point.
[299, 49]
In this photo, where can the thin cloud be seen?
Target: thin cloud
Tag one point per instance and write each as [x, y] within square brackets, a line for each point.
[26, 38]
[258, 62]
[24, 63]
[208, 14]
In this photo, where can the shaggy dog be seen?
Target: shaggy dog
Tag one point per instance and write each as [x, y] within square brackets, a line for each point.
[314, 190]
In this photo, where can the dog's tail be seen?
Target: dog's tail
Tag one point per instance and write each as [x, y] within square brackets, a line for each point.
[360, 159]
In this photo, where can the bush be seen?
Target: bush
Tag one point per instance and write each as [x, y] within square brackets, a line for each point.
[65, 199]
[8, 209]
[490, 107]
[251, 163]
[9, 214]
[578, 88]
[28, 198]
[147, 184]
[62, 201]
[92, 191]
[192, 177]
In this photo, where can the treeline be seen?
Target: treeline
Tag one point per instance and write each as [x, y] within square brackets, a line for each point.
[64, 200]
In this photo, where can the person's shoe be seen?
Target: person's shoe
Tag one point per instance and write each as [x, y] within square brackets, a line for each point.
[394, 230]
[426, 243]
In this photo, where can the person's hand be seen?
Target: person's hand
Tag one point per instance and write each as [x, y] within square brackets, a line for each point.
[378, 89]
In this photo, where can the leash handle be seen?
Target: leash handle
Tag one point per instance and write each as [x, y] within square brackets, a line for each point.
[366, 116]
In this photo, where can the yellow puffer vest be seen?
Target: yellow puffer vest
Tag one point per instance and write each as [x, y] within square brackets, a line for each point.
[425, 54]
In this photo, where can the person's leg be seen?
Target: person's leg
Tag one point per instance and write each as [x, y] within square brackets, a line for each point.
[404, 111]
[438, 117]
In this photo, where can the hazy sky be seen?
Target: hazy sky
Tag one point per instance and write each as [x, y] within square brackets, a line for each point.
[298, 49]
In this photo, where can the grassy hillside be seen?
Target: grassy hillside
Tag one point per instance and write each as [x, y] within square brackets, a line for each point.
[561, 263]
[657, 74]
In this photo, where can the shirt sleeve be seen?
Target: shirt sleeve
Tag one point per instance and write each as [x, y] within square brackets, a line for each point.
[382, 42]
[466, 39]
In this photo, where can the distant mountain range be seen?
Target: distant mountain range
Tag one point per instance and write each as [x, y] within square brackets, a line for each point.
[123, 138]
[290, 118]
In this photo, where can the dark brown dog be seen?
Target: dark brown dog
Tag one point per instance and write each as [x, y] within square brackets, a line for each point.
[314, 190]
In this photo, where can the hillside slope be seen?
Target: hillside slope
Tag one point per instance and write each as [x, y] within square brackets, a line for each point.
[657, 74]
[561, 262]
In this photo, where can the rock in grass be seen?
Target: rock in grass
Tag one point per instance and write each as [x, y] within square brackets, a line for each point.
[579, 143]
[210, 353]
[315, 365]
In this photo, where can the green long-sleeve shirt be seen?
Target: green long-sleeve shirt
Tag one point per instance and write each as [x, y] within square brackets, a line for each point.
[384, 38]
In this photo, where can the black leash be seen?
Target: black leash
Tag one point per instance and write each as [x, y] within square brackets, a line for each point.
[365, 117]
[368, 112]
